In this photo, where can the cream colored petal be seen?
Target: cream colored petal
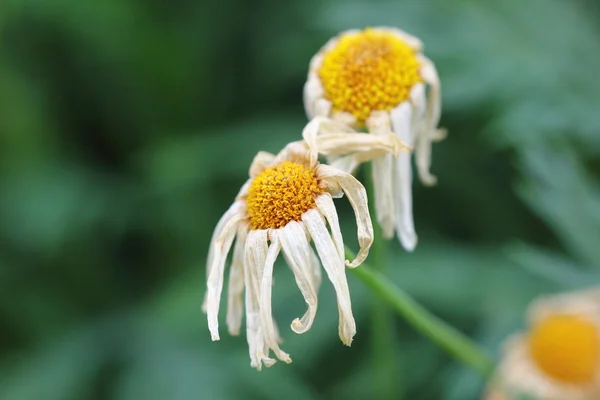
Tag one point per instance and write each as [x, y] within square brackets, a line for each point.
[255, 256]
[346, 143]
[312, 93]
[402, 179]
[298, 152]
[432, 117]
[296, 248]
[383, 187]
[357, 196]
[235, 209]
[519, 375]
[262, 161]
[345, 118]
[214, 284]
[327, 208]
[235, 290]
[334, 267]
[266, 285]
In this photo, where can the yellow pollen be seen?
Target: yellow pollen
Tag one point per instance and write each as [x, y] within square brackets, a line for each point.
[566, 348]
[281, 194]
[369, 71]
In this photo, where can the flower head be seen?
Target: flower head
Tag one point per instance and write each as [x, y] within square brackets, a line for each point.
[286, 204]
[378, 79]
[559, 356]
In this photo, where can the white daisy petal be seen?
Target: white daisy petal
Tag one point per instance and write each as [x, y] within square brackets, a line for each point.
[214, 283]
[327, 208]
[298, 255]
[255, 256]
[266, 285]
[401, 118]
[334, 266]
[432, 116]
[235, 209]
[357, 196]
[383, 187]
[235, 308]
[261, 161]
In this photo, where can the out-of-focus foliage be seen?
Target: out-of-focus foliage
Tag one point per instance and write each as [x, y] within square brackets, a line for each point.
[127, 128]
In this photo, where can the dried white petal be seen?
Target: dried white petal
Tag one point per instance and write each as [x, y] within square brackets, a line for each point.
[334, 266]
[327, 208]
[235, 209]
[235, 308]
[297, 252]
[214, 283]
[401, 118]
[432, 117]
[261, 161]
[383, 187]
[357, 196]
[266, 285]
[255, 256]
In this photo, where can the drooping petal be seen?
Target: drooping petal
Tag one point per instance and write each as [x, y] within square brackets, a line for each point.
[214, 283]
[255, 255]
[401, 121]
[235, 307]
[357, 196]
[383, 187]
[379, 125]
[432, 117]
[334, 267]
[266, 285]
[233, 210]
[297, 253]
[327, 208]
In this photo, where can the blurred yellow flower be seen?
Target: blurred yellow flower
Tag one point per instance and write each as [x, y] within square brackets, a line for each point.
[286, 203]
[558, 358]
[377, 79]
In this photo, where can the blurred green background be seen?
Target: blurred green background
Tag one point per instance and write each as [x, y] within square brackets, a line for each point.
[127, 128]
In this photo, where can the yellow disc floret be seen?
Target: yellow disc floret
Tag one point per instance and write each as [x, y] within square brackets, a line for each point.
[281, 194]
[368, 71]
[566, 348]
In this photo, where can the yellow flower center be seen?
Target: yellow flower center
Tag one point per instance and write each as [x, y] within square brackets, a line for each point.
[281, 194]
[566, 348]
[369, 71]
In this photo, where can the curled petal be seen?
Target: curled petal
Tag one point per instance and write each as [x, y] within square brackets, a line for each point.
[334, 267]
[298, 255]
[402, 182]
[432, 117]
[255, 255]
[266, 284]
[357, 196]
[214, 283]
[327, 208]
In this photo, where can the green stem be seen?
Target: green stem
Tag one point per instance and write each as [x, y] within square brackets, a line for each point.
[444, 335]
[385, 367]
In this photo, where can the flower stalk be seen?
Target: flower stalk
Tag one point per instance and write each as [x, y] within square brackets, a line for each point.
[448, 338]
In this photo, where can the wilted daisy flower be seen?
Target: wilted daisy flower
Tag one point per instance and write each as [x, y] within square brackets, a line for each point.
[377, 79]
[286, 204]
[558, 358]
